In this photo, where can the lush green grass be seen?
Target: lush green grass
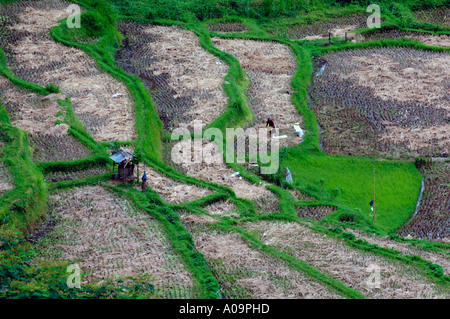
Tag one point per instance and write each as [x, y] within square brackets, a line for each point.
[397, 185]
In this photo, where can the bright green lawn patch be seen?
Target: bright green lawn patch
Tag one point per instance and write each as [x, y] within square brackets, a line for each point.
[350, 179]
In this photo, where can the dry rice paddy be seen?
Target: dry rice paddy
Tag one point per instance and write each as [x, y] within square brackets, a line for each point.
[270, 67]
[101, 102]
[244, 272]
[212, 168]
[347, 265]
[113, 240]
[37, 115]
[391, 102]
[185, 81]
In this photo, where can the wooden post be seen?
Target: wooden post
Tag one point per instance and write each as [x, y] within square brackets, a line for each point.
[345, 36]
[329, 38]
[374, 209]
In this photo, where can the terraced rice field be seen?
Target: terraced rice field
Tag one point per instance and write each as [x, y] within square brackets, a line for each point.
[270, 67]
[432, 219]
[184, 80]
[227, 27]
[429, 39]
[404, 114]
[244, 272]
[37, 115]
[347, 265]
[113, 240]
[336, 26]
[435, 16]
[101, 102]
[212, 168]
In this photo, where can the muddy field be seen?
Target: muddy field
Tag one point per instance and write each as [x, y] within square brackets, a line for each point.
[113, 240]
[270, 67]
[244, 272]
[101, 102]
[184, 80]
[383, 102]
[345, 264]
[432, 220]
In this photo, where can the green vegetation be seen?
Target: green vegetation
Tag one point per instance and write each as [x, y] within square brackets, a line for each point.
[343, 182]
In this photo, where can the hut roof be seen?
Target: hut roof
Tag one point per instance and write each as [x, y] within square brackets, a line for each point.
[121, 155]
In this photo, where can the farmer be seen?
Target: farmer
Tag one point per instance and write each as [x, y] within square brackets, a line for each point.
[270, 126]
[144, 181]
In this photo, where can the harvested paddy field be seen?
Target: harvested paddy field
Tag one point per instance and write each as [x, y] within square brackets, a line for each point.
[432, 219]
[113, 240]
[435, 16]
[270, 66]
[37, 115]
[426, 38]
[315, 212]
[385, 102]
[319, 30]
[244, 272]
[350, 266]
[184, 80]
[407, 249]
[206, 162]
[227, 27]
[172, 191]
[101, 102]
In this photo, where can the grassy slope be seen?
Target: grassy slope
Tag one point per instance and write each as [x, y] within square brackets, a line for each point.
[397, 184]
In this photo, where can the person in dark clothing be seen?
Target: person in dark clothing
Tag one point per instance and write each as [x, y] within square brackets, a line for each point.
[144, 181]
[270, 124]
